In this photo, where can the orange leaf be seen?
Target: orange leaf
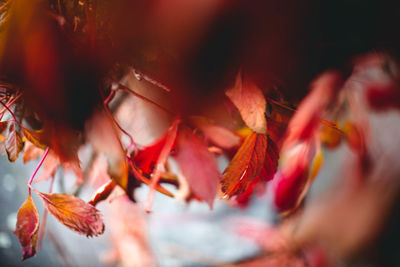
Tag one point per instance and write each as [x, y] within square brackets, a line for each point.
[198, 165]
[31, 152]
[102, 193]
[330, 136]
[245, 165]
[74, 213]
[266, 174]
[13, 144]
[27, 228]
[35, 137]
[250, 101]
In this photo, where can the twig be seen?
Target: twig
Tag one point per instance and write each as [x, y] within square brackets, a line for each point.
[37, 168]
[12, 113]
[150, 80]
[139, 176]
[126, 89]
[322, 121]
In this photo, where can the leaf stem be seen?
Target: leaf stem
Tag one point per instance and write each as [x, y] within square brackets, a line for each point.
[12, 113]
[131, 142]
[322, 121]
[139, 176]
[152, 81]
[37, 168]
[129, 90]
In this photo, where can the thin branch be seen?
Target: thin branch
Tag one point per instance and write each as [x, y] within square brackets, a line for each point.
[126, 89]
[322, 121]
[140, 177]
[37, 168]
[12, 113]
[139, 75]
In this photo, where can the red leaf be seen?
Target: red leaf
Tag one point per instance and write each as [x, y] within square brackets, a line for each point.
[291, 180]
[250, 101]
[383, 97]
[146, 159]
[13, 144]
[270, 163]
[74, 213]
[266, 174]
[245, 165]
[306, 119]
[197, 165]
[27, 228]
[102, 193]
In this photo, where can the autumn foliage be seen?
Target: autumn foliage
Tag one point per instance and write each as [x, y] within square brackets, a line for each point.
[76, 74]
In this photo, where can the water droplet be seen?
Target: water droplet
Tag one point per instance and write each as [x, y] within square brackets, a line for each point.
[138, 75]
[114, 86]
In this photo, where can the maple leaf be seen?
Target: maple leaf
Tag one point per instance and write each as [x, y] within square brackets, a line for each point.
[250, 102]
[27, 227]
[13, 143]
[198, 165]
[245, 165]
[74, 213]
